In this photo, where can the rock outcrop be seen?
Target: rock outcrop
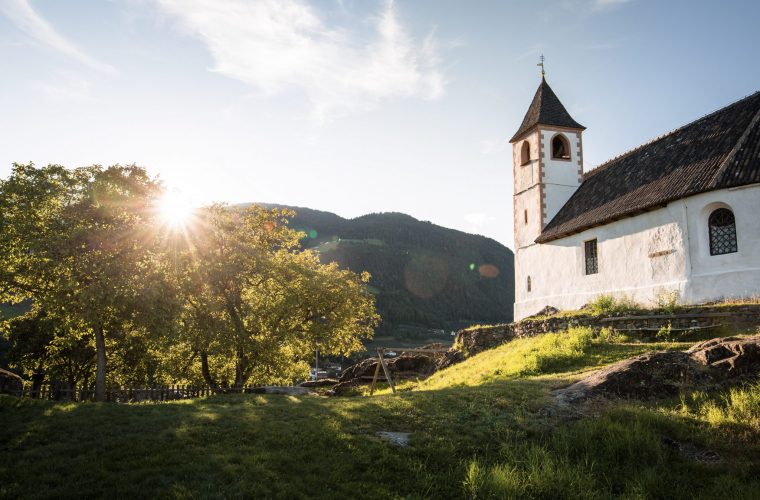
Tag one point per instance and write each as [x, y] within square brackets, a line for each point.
[408, 365]
[323, 382]
[10, 383]
[708, 365]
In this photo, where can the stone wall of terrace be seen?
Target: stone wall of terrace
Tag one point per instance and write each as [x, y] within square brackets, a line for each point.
[741, 317]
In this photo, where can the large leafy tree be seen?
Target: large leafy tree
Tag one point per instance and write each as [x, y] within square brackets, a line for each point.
[230, 293]
[82, 245]
[255, 304]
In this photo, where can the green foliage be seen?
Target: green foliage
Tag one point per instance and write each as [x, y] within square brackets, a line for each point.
[667, 300]
[666, 333]
[609, 305]
[609, 335]
[41, 343]
[79, 244]
[256, 306]
[229, 296]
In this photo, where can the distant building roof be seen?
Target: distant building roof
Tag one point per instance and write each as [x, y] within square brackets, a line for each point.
[720, 150]
[546, 109]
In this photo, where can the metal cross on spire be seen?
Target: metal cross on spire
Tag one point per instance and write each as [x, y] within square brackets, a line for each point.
[542, 65]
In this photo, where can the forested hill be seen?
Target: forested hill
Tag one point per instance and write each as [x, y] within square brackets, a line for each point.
[423, 275]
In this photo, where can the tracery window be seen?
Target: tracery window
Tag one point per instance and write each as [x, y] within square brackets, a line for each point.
[529, 284]
[722, 232]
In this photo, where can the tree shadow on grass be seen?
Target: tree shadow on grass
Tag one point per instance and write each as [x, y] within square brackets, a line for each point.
[254, 445]
[285, 446]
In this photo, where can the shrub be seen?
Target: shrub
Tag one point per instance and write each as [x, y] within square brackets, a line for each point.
[609, 305]
[667, 300]
[666, 333]
[608, 336]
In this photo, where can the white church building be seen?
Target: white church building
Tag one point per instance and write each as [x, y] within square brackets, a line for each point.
[678, 214]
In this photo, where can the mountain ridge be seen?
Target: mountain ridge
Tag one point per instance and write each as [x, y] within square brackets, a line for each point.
[424, 276]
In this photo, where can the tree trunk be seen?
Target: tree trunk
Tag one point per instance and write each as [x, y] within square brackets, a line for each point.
[206, 372]
[241, 369]
[100, 372]
[37, 378]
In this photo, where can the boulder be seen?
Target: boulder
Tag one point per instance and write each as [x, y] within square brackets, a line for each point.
[708, 365]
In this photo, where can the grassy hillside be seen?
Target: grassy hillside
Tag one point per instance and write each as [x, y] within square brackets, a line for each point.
[423, 275]
[485, 428]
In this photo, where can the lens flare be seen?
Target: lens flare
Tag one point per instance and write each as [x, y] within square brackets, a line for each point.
[488, 270]
[425, 275]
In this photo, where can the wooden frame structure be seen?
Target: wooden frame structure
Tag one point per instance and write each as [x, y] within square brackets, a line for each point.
[386, 371]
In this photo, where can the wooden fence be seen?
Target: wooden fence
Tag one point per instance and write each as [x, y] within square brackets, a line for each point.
[63, 392]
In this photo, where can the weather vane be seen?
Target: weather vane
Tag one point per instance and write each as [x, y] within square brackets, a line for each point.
[541, 64]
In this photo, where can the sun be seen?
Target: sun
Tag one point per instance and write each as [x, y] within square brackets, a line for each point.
[175, 209]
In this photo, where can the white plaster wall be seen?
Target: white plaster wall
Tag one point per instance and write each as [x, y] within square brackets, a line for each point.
[714, 277]
[640, 256]
[526, 175]
[526, 233]
[561, 177]
[557, 269]
[527, 192]
[555, 198]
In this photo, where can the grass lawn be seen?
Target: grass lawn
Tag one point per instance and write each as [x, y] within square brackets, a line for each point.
[481, 429]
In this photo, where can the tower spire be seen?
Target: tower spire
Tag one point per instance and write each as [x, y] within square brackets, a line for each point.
[542, 65]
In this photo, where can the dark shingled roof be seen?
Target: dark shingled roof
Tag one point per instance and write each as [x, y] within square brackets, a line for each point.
[546, 110]
[720, 150]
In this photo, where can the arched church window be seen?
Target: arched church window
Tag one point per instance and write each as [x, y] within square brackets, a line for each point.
[722, 232]
[560, 148]
[525, 153]
[529, 287]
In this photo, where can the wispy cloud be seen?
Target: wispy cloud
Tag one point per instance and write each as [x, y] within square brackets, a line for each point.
[21, 13]
[274, 45]
[65, 85]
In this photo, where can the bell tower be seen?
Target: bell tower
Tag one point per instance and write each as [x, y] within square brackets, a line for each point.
[547, 157]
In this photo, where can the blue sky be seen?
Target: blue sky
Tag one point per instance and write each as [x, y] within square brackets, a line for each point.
[355, 106]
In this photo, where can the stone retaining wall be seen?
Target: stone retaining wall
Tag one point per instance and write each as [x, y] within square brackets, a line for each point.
[738, 317]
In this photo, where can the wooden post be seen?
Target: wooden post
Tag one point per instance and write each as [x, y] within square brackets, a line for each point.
[388, 375]
[377, 371]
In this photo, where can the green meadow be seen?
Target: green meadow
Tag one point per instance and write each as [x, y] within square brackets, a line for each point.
[485, 428]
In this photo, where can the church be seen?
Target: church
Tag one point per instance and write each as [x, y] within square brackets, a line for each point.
[677, 215]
